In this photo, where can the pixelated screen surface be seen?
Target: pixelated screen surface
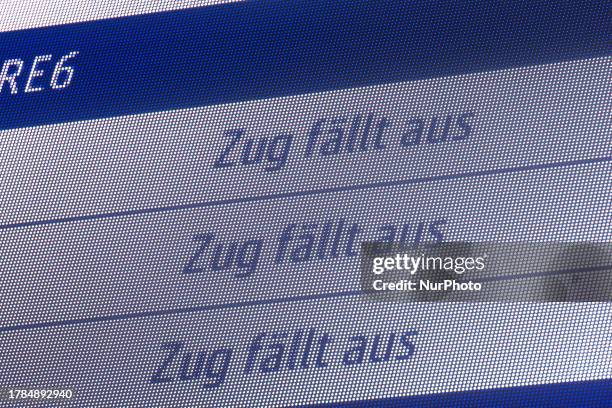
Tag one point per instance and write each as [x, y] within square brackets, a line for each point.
[187, 189]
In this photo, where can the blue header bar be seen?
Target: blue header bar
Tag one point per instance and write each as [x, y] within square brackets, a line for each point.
[261, 49]
[585, 394]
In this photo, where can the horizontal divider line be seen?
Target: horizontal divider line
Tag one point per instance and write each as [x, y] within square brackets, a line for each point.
[159, 313]
[517, 276]
[251, 303]
[297, 194]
